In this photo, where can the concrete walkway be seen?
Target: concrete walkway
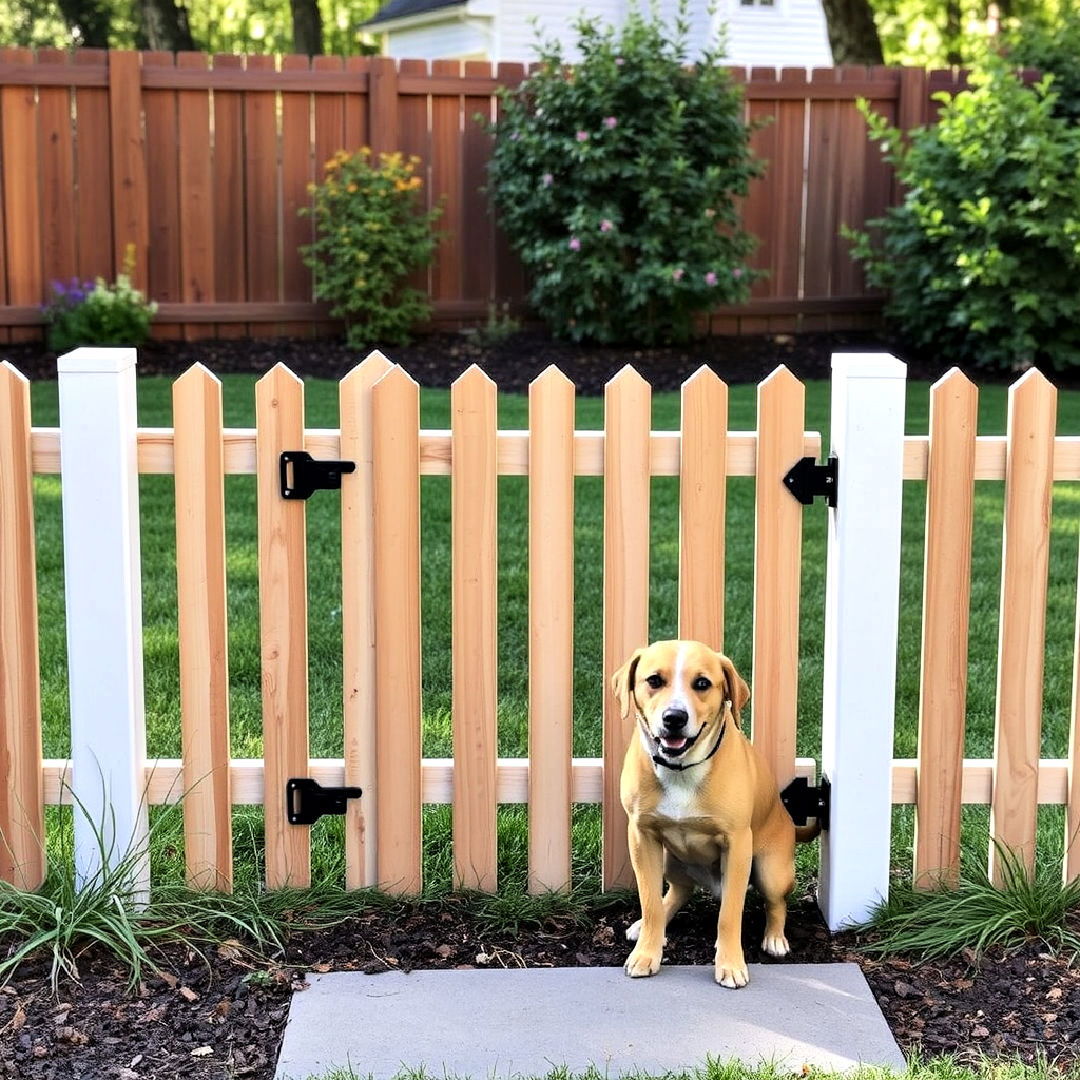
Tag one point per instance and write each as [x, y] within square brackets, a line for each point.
[507, 1023]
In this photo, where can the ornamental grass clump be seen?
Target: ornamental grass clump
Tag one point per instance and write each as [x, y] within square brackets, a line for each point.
[981, 259]
[371, 232]
[616, 180]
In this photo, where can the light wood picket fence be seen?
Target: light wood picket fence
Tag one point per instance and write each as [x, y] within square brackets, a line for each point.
[381, 553]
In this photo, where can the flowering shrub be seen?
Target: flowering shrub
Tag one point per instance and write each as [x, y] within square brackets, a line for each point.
[982, 258]
[370, 234]
[96, 313]
[616, 180]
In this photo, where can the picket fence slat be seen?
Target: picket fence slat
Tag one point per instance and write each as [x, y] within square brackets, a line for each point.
[777, 570]
[22, 820]
[627, 420]
[202, 613]
[474, 575]
[950, 495]
[395, 423]
[703, 507]
[1071, 861]
[279, 412]
[1024, 568]
[358, 618]
[551, 628]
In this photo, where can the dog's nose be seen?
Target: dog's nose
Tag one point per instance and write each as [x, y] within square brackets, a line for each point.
[674, 719]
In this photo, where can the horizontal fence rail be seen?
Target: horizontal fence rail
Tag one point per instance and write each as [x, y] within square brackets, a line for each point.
[200, 164]
[382, 555]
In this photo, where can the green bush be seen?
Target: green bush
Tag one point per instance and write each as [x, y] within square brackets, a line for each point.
[370, 234]
[615, 181]
[96, 313]
[1051, 47]
[982, 258]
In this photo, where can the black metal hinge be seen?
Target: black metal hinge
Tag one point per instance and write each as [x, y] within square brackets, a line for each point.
[803, 802]
[309, 475]
[806, 479]
[306, 800]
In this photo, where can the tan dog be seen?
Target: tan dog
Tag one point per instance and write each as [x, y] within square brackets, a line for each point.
[702, 804]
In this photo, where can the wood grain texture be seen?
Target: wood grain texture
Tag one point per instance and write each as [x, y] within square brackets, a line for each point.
[202, 604]
[162, 191]
[93, 193]
[474, 599]
[950, 498]
[230, 241]
[627, 418]
[358, 618]
[127, 146]
[279, 412]
[777, 570]
[395, 417]
[703, 508]
[22, 821]
[551, 628]
[57, 159]
[1024, 558]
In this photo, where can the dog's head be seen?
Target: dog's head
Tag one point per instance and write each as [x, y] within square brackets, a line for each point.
[680, 691]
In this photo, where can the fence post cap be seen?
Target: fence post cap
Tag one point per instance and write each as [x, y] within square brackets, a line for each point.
[96, 360]
[875, 365]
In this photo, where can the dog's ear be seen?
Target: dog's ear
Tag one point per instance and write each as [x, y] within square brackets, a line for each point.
[622, 683]
[738, 691]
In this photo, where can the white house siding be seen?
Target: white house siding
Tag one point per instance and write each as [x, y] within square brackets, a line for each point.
[792, 34]
[517, 36]
[447, 39]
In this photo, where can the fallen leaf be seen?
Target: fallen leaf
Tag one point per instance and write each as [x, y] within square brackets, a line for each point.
[1053, 993]
[202, 1051]
[73, 1036]
[188, 994]
[979, 1032]
[18, 1019]
[321, 968]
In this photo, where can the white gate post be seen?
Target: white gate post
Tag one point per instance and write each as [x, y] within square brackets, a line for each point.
[862, 598]
[102, 585]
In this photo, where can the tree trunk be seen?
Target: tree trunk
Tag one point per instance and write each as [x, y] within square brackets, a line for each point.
[88, 21]
[165, 25]
[853, 36]
[953, 55]
[307, 27]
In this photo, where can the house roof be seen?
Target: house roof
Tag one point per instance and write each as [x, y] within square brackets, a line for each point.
[400, 9]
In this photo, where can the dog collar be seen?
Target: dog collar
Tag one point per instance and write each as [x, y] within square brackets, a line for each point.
[682, 768]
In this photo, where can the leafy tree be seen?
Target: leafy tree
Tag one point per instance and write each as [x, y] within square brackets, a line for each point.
[165, 26]
[307, 27]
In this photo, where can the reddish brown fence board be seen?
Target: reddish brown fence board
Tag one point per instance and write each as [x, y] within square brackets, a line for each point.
[203, 162]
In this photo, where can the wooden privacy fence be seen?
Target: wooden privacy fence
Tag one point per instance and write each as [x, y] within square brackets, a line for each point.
[202, 163]
[381, 554]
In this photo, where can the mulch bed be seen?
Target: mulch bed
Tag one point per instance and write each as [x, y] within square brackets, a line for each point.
[222, 1014]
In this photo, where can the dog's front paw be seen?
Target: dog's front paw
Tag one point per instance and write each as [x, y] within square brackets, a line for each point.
[731, 971]
[640, 963]
[633, 932]
[775, 945]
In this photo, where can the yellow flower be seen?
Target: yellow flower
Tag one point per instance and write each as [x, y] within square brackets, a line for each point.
[351, 188]
[415, 182]
[332, 164]
[311, 189]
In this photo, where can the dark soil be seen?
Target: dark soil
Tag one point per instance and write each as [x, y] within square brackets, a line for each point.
[438, 359]
[222, 1014]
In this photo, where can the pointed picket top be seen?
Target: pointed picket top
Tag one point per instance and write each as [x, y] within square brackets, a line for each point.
[953, 379]
[279, 377]
[781, 375]
[197, 373]
[703, 377]
[368, 372]
[626, 377]
[472, 378]
[552, 376]
[395, 379]
[1031, 389]
[11, 373]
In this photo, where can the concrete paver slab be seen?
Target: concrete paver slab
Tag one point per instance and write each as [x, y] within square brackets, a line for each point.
[508, 1023]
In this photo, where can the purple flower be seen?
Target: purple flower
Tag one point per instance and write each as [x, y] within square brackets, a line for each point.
[58, 288]
[676, 275]
[575, 244]
[610, 122]
[619, 61]
[710, 278]
[582, 136]
[547, 179]
[607, 225]
[737, 273]
[514, 136]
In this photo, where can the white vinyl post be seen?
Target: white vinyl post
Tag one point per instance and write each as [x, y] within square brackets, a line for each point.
[862, 599]
[102, 584]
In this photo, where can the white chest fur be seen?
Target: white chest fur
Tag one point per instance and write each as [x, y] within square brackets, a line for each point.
[679, 796]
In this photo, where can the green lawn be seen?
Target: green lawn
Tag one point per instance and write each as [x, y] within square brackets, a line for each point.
[159, 600]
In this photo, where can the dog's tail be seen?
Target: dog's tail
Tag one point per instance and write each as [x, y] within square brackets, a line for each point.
[805, 833]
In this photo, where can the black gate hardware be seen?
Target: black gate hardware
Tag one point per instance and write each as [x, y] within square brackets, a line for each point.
[306, 800]
[803, 802]
[807, 479]
[309, 475]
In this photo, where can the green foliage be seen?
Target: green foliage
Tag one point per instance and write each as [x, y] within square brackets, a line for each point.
[82, 313]
[616, 183]
[1053, 48]
[982, 258]
[371, 232]
[976, 915]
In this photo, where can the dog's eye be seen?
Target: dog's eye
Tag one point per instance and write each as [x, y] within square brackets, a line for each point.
[655, 681]
[701, 684]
